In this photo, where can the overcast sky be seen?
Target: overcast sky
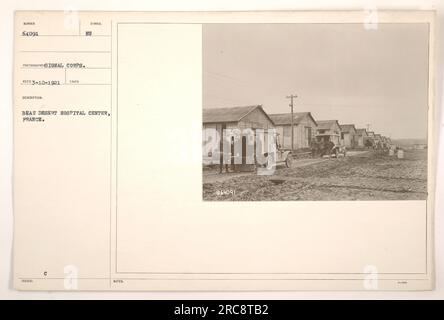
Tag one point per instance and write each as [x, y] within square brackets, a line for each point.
[339, 71]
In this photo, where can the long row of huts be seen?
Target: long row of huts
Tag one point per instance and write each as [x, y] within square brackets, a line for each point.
[305, 127]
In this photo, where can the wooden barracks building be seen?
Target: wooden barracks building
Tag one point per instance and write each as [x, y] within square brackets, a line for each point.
[304, 129]
[348, 133]
[249, 117]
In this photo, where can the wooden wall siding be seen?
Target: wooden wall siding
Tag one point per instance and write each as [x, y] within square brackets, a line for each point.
[308, 130]
[301, 137]
[333, 130]
[280, 131]
[261, 122]
[286, 137]
[348, 140]
[256, 119]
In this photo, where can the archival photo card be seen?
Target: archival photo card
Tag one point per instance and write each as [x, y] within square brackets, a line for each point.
[250, 151]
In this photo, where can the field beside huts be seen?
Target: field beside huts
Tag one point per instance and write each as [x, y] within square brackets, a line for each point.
[372, 175]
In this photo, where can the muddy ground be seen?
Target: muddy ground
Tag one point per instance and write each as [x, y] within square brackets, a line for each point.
[366, 176]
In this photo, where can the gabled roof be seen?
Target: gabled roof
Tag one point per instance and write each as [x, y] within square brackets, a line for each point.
[348, 128]
[327, 124]
[230, 114]
[285, 118]
[362, 132]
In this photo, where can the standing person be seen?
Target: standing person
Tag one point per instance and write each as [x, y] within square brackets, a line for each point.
[224, 154]
[232, 165]
[260, 151]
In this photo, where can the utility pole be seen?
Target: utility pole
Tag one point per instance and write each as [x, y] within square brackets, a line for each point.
[291, 97]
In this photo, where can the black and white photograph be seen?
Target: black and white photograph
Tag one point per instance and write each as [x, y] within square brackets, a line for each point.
[315, 111]
[253, 153]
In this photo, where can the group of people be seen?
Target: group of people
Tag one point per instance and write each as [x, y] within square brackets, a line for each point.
[227, 156]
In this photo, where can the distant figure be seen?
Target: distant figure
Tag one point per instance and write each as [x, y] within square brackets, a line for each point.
[259, 151]
[232, 155]
[223, 154]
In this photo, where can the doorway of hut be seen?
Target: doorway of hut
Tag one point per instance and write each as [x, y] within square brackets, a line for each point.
[248, 163]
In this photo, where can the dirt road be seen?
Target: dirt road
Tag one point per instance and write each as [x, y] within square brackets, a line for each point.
[362, 176]
[211, 176]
